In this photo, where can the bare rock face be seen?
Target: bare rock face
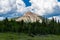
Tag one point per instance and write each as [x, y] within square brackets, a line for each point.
[29, 17]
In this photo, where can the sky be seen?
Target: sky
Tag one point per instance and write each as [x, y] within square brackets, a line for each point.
[59, 0]
[27, 3]
[16, 8]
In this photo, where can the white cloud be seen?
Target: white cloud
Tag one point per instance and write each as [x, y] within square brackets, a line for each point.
[1, 18]
[20, 5]
[58, 3]
[55, 17]
[42, 7]
[4, 6]
[8, 5]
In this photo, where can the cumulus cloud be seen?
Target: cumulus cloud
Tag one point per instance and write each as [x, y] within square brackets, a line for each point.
[40, 7]
[20, 5]
[12, 7]
[59, 4]
[6, 5]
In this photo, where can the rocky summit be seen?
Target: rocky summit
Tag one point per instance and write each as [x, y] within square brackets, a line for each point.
[30, 17]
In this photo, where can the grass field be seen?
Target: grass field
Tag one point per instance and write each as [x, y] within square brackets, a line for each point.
[22, 36]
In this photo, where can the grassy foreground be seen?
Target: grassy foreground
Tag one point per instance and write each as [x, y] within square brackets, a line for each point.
[22, 36]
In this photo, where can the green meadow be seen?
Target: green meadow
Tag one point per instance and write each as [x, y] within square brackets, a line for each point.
[22, 36]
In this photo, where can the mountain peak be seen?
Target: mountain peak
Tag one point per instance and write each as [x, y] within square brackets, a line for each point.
[30, 17]
[28, 13]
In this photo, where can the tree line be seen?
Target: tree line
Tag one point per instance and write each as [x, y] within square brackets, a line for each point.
[51, 27]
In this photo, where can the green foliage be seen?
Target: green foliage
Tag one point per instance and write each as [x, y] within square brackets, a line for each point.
[34, 28]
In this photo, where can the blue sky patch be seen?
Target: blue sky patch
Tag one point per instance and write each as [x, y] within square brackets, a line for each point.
[59, 0]
[27, 3]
